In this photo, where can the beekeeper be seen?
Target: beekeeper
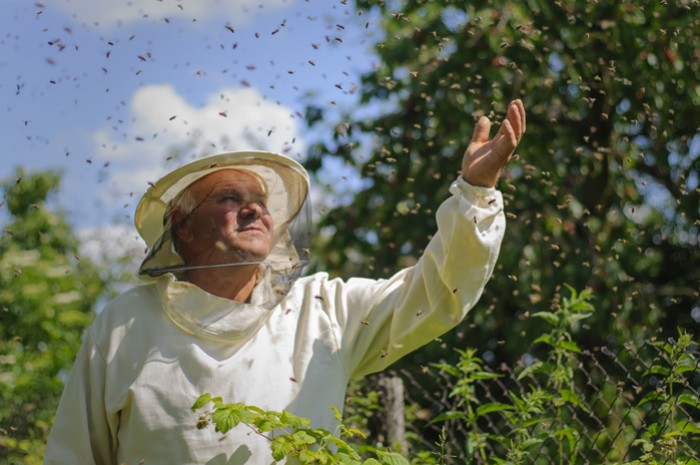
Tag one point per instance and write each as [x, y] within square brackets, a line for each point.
[227, 311]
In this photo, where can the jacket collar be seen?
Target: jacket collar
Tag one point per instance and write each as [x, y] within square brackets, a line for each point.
[207, 316]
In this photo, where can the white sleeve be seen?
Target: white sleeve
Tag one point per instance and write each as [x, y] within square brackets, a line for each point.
[82, 432]
[381, 321]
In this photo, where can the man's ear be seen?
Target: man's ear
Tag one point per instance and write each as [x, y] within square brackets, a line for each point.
[180, 226]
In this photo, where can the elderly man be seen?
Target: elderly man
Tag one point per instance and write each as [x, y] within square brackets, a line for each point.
[228, 312]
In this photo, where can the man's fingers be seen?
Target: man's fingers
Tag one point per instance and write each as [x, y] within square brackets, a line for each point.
[505, 139]
[523, 119]
[481, 131]
[510, 136]
[515, 119]
[516, 115]
[510, 129]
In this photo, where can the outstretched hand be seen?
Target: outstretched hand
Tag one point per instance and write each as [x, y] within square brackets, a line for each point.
[485, 159]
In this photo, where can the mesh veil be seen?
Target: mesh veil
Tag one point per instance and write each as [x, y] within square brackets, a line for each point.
[286, 187]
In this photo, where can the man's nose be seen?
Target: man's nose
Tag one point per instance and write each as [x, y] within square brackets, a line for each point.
[251, 210]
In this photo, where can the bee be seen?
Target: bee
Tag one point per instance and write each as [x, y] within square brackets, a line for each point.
[202, 422]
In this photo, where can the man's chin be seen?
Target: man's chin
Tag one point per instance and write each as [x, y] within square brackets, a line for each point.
[248, 256]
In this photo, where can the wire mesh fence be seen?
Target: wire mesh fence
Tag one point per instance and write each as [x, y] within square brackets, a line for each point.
[625, 405]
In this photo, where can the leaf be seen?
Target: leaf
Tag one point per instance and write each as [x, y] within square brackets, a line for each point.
[294, 421]
[230, 416]
[493, 407]
[312, 457]
[687, 427]
[571, 290]
[352, 432]
[303, 437]
[653, 430]
[203, 400]
[582, 307]
[344, 459]
[530, 369]
[545, 339]
[530, 442]
[452, 415]
[578, 317]
[534, 421]
[570, 396]
[549, 317]
[650, 397]
[689, 399]
[499, 439]
[657, 370]
[680, 369]
[255, 409]
[343, 447]
[449, 369]
[481, 375]
[269, 421]
[570, 434]
[281, 447]
[336, 413]
[392, 458]
[570, 346]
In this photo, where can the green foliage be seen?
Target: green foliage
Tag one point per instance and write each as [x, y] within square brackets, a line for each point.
[538, 416]
[293, 436]
[531, 415]
[363, 406]
[563, 350]
[47, 293]
[469, 372]
[603, 191]
[662, 441]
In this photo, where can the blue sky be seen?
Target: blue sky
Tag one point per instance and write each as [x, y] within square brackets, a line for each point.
[105, 90]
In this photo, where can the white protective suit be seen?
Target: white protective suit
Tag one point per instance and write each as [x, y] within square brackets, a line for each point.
[156, 348]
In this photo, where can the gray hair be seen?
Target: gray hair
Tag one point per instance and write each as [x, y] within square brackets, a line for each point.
[185, 203]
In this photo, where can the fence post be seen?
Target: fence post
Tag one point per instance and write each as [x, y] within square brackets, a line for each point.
[394, 414]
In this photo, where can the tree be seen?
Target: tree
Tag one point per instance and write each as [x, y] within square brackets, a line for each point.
[47, 295]
[603, 191]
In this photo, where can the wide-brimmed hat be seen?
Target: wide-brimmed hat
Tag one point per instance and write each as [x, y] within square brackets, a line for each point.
[287, 186]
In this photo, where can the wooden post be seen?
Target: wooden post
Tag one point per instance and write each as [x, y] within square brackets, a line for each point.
[394, 415]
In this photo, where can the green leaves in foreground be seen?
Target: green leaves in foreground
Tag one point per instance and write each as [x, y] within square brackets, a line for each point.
[294, 437]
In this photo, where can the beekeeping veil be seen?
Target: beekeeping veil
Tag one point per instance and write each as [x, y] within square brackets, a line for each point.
[286, 187]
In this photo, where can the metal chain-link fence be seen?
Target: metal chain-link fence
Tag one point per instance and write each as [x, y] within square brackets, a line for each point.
[632, 404]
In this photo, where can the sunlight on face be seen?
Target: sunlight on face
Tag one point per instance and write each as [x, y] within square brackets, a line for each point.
[230, 222]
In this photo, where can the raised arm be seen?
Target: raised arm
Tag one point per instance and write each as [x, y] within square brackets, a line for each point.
[384, 320]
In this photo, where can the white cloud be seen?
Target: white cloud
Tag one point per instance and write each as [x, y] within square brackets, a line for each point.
[113, 13]
[111, 244]
[162, 123]
[116, 249]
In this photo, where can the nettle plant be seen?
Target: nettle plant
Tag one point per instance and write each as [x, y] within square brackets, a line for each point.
[666, 440]
[534, 416]
[291, 436]
[539, 420]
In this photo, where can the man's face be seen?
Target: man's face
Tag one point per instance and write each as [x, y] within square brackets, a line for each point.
[230, 222]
